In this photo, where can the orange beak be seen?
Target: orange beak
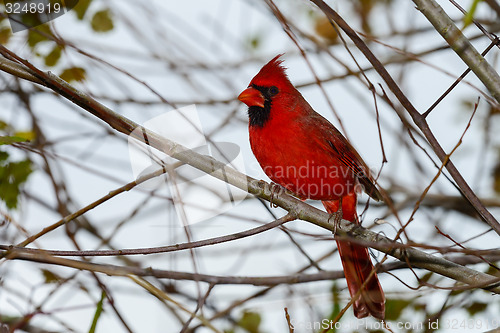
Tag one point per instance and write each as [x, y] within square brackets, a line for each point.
[252, 97]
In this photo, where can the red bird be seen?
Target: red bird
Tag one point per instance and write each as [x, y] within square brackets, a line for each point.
[303, 152]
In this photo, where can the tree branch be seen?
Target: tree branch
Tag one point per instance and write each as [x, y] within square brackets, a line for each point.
[261, 189]
[461, 45]
[418, 119]
[114, 270]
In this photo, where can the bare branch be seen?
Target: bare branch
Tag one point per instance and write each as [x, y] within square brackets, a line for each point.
[461, 45]
[227, 174]
[416, 116]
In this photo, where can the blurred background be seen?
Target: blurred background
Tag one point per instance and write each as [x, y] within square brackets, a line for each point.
[146, 59]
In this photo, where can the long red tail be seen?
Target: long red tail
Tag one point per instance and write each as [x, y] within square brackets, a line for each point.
[358, 266]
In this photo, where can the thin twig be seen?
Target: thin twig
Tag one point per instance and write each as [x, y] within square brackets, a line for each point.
[227, 174]
[416, 116]
[445, 26]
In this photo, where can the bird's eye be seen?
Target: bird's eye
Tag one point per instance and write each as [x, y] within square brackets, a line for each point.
[273, 90]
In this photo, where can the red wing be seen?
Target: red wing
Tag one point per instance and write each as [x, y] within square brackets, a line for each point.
[332, 140]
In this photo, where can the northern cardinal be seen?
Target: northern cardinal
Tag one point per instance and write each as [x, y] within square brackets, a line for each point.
[303, 152]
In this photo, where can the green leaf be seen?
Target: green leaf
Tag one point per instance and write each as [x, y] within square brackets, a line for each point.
[8, 140]
[38, 35]
[98, 312]
[53, 57]
[496, 188]
[81, 8]
[456, 292]
[102, 22]
[469, 17]
[250, 322]
[5, 34]
[51, 277]
[491, 269]
[426, 277]
[27, 135]
[12, 176]
[3, 156]
[476, 307]
[336, 308]
[3, 125]
[394, 308]
[73, 74]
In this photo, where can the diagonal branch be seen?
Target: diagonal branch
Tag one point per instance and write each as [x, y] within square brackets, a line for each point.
[418, 119]
[261, 189]
[461, 45]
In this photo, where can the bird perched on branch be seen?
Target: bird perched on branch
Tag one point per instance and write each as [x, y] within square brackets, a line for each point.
[303, 152]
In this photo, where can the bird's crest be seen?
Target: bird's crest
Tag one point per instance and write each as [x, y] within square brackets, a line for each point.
[273, 73]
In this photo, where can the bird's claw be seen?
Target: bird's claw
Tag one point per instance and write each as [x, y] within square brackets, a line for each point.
[276, 190]
[337, 217]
